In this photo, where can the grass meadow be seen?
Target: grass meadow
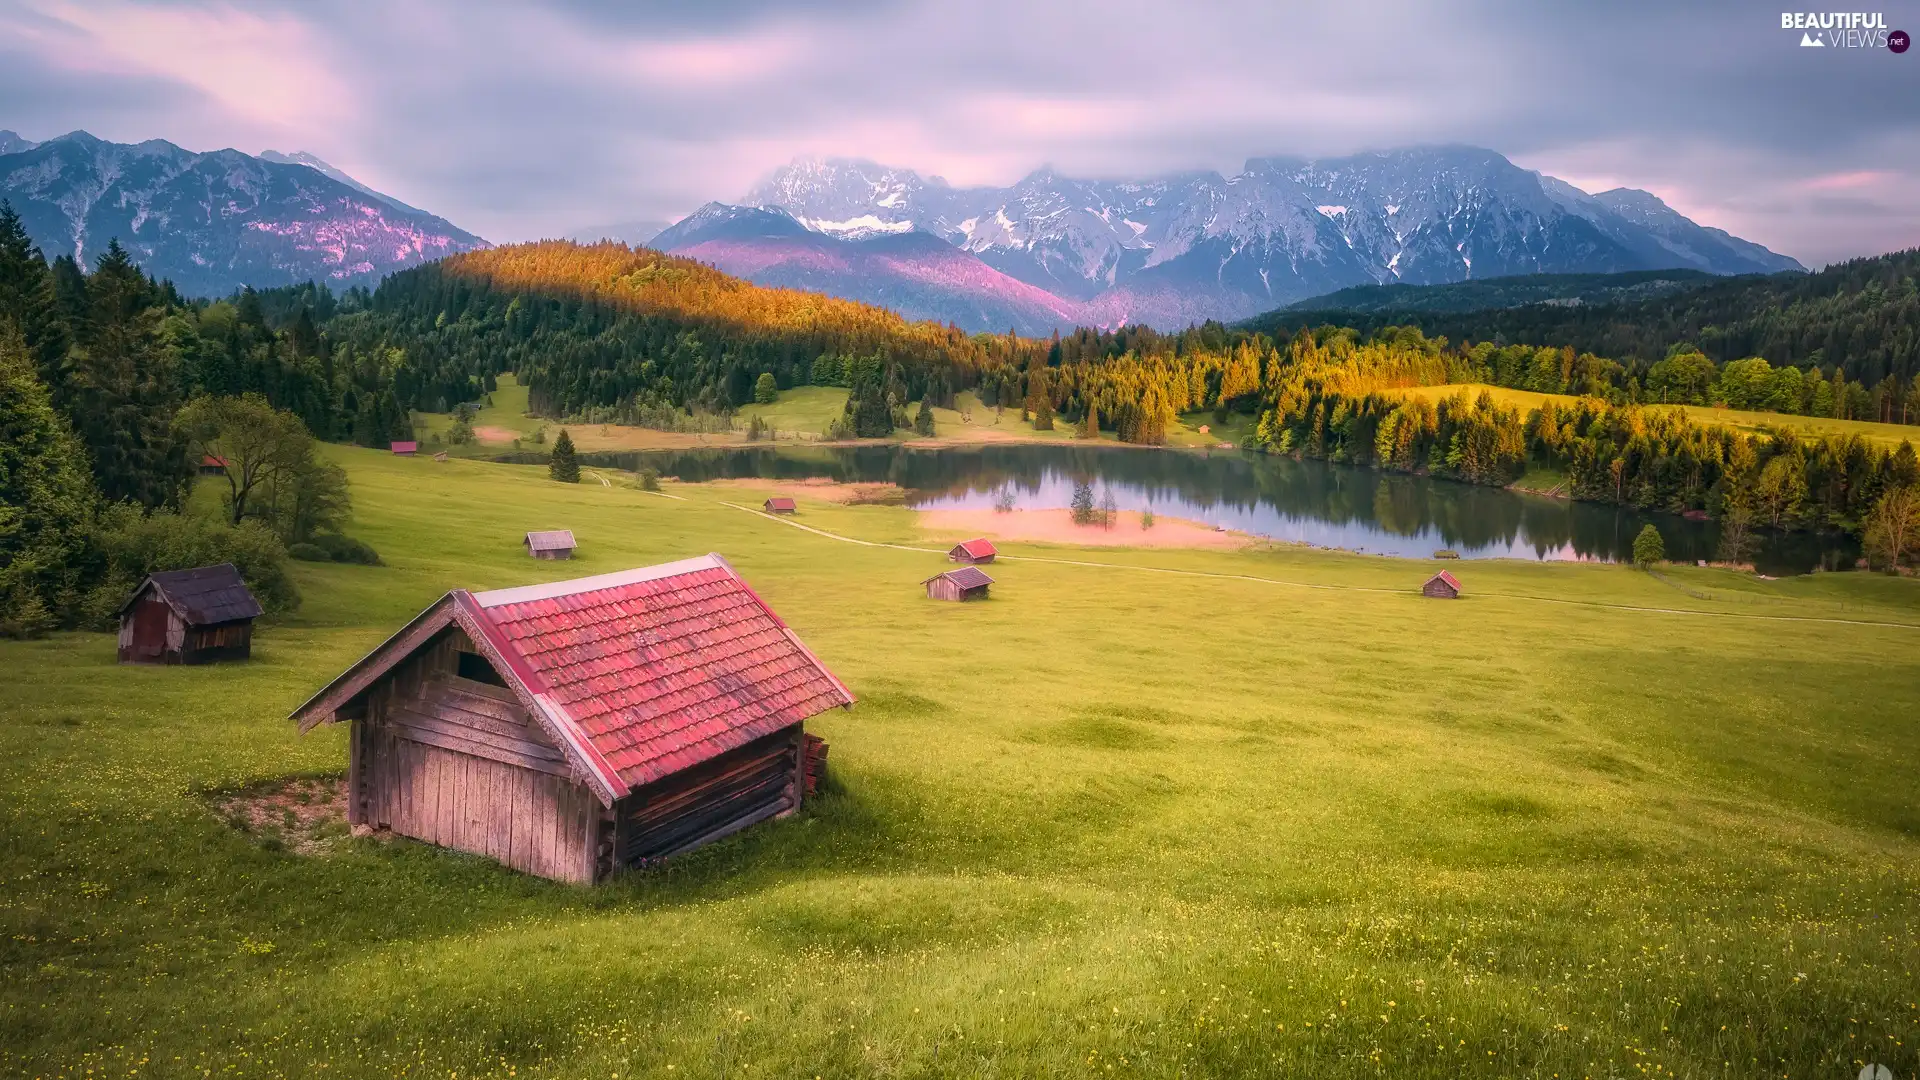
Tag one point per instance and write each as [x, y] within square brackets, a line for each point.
[1271, 815]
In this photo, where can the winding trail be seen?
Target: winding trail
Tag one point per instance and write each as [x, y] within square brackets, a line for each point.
[1337, 588]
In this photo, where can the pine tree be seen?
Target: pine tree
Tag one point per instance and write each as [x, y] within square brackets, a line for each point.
[1083, 512]
[47, 499]
[923, 420]
[27, 297]
[124, 387]
[563, 466]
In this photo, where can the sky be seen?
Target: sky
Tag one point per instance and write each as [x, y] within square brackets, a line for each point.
[522, 120]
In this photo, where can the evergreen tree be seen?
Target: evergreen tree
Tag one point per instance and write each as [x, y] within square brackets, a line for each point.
[562, 466]
[765, 390]
[923, 420]
[27, 297]
[1083, 512]
[124, 387]
[1648, 547]
[47, 499]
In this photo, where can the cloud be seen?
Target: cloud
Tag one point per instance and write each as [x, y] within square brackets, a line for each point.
[519, 121]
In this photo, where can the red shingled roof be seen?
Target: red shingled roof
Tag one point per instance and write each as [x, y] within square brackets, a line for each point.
[779, 502]
[661, 668]
[977, 549]
[639, 673]
[1448, 578]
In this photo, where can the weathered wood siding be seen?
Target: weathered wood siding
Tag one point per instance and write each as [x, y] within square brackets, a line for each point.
[151, 632]
[459, 763]
[553, 553]
[1440, 590]
[699, 805]
[944, 588]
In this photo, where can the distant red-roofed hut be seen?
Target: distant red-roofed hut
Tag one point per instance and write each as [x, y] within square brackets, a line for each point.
[972, 552]
[212, 465]
[1442, 586]
[405, 448]
[779, 505]
[582, 727]
[966, 583]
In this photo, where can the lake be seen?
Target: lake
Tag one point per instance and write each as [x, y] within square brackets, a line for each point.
[1308, 502]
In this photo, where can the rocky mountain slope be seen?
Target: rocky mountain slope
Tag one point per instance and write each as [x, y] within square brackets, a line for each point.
[1201, 245]
[212, 222]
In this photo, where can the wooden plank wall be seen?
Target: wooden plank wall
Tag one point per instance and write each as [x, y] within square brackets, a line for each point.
[713, 799]
[459, 763]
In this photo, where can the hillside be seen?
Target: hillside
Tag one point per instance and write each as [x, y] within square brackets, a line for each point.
[1506, 292]
[1862, 316]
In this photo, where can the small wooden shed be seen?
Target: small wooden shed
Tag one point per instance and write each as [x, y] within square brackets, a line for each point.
[1443, 586]
[971, 552]
[779, 504]
[212, 465]
[405, 448]
[582, 727]
[196, 616]
[550, 544]
[966, 583]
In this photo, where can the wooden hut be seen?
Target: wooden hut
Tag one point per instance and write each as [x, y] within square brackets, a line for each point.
[577, 728]
[405, 448]
[973, 552]
[212, 465]
[1443, 586]
[966, 583]
[194, 616]
[550, 544]
[779, 504]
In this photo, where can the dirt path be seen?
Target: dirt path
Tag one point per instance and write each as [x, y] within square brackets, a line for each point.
[1338, 588]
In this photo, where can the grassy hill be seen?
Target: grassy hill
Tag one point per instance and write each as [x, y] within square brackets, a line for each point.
[1738, 419]
[1274, 814]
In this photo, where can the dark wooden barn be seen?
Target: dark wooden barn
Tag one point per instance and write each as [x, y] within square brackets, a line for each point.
[973, 552]
[194, 616]
[966, 583]
[1442, 586]
[580, 727]
[550, 544]
[779, 505]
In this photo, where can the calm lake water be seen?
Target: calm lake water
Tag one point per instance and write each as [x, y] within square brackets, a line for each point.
[1311, 502]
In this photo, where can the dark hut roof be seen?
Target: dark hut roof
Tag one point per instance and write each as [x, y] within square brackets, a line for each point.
[967, 577]
[203, 596]
[978, 548]
[551, 540]
[1451, 581]
[637, 674]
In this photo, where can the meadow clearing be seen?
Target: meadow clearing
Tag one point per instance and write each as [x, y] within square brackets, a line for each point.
[1169, 813]
[1742, 420]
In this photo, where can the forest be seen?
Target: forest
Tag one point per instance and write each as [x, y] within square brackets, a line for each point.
[119, 393]
[1858, 319]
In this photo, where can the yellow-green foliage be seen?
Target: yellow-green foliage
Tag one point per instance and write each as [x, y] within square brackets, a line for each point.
[1584, 822]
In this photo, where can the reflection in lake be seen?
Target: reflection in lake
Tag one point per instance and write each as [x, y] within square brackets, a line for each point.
[1309, 502]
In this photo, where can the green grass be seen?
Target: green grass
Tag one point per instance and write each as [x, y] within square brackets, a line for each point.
[804, 408]
[1738, 419]
[1111, 822]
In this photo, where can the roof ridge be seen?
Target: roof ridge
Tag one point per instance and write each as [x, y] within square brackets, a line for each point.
[552, 589]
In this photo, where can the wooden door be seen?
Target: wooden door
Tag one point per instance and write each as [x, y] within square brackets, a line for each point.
[149, 627]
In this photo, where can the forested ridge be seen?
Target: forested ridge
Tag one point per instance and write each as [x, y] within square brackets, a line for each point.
[114, 379]
[1859, 318]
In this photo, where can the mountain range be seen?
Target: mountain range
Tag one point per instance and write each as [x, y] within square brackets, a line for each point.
[213, 222]
[1052, 251]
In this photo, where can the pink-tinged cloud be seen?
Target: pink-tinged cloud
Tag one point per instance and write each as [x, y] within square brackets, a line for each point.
[1847, 181]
